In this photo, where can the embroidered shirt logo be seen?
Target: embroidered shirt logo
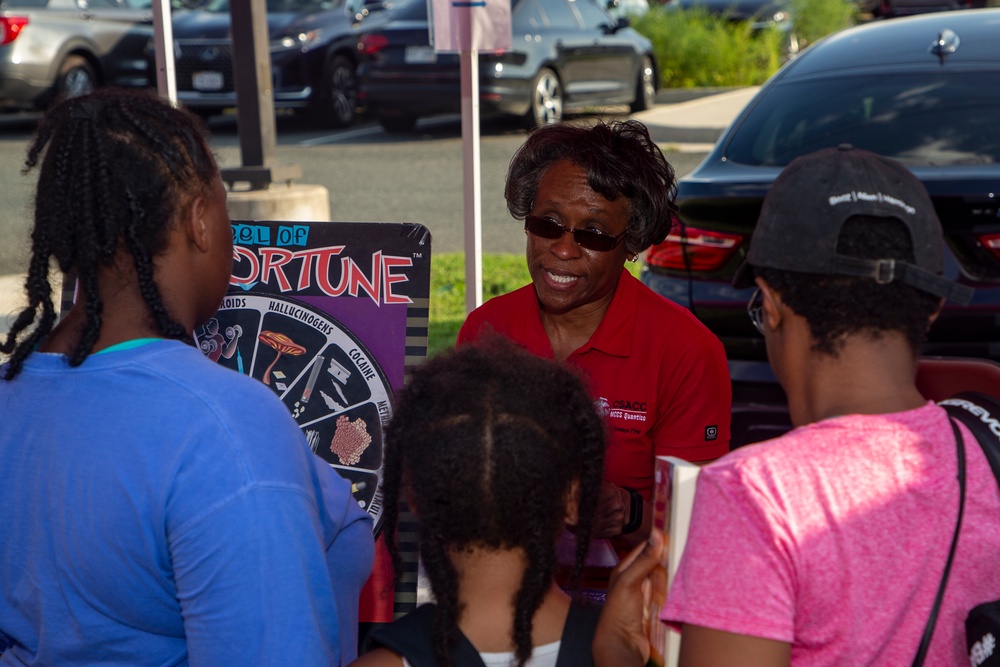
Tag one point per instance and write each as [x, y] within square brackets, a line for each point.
[631, 411]
[711, 432]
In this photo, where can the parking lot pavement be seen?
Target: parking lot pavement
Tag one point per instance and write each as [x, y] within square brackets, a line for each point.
[694, 125]
[11, 299]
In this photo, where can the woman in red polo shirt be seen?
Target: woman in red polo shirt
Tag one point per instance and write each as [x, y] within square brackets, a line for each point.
[592, 198]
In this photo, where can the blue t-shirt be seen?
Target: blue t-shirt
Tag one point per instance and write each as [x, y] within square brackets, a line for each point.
[159, 509]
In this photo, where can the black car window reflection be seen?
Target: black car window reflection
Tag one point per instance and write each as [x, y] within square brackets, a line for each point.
[527, 17]
[279, 5]
[559, 15]
[918, 119]
[593, 16]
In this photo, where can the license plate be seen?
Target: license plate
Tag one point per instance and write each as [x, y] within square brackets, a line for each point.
[420, 54]
[207, 80]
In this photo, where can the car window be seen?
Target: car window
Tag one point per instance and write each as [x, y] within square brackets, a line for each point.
[279, 5]
[558, 14]
[593, 16]
[414, 10]
[527, 17]
[918, 119]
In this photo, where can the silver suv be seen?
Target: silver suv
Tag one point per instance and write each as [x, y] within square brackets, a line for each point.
[50, 48]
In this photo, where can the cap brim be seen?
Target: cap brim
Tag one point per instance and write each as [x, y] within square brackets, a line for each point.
[744, 276]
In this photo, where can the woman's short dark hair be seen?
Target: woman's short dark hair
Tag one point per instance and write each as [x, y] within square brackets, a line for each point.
[115, 167]
[486, 443]
[837, 306]
[621, 160]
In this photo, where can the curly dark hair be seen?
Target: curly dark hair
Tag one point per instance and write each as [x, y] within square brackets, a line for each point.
[115, 166]
[485, 443]
[836, 306]
[621, 160]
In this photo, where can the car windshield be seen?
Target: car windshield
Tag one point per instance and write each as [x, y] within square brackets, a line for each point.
[279, 5]
[918, 119]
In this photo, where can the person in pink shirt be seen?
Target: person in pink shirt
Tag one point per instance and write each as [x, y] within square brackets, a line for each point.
[827, 546]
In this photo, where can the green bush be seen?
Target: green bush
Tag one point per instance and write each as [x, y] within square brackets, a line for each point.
[697, 49]
[815, 19]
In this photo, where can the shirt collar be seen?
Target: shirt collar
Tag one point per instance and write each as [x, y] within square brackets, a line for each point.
[614, 334]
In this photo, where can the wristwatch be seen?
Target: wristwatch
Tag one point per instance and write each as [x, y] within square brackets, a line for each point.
[635, 511]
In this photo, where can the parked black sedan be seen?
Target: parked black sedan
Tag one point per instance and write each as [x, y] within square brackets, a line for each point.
[313, 57]
[50, 48]
[924, 90]
[566, 55]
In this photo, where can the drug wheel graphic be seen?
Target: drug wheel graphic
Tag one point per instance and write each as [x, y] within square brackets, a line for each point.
[333, 387]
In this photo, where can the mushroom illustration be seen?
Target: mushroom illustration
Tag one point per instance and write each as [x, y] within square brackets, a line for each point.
[282, 344]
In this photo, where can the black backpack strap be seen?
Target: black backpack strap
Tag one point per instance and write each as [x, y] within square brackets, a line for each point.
[412, 637]
[575, 647]
[925, 640]
[981, 415]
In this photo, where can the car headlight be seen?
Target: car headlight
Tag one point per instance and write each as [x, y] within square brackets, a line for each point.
[300, 41]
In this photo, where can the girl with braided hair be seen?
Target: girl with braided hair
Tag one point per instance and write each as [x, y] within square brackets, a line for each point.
[493, 449]
[157, 508]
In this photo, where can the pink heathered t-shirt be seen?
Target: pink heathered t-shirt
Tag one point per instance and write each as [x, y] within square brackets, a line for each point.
[834, 537]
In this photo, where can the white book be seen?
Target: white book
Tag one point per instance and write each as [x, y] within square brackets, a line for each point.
[673, 499]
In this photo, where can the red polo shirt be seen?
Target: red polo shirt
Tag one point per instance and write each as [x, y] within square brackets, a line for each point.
[658, 375]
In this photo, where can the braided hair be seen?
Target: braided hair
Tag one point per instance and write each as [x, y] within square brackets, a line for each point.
[115, 167]
[486, 444]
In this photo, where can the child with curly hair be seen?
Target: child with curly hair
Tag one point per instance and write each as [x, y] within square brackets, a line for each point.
[494, 450]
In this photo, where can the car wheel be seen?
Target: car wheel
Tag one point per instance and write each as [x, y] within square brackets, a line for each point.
[338, 95]
[546, 100]
[400, 123]
[645, 87]
[76, 77]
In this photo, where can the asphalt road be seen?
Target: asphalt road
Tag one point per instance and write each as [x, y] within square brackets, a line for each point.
[370, 176]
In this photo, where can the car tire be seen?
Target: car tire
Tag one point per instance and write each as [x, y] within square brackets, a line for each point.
[76, 77]
[546, 104]
[397, 124]
[645, 87]
[337, 102]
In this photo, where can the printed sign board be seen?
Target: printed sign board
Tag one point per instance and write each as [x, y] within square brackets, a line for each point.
[330, 316]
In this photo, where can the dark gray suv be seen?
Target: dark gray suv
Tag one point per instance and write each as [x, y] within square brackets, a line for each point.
[69, 47]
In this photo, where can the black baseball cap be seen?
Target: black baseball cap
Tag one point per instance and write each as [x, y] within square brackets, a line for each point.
[806, 208]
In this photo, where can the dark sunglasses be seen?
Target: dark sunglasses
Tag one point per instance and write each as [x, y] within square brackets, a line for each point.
[547, 228]
[755, 309]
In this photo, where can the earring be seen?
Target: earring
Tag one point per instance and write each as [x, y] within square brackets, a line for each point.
[634, 257]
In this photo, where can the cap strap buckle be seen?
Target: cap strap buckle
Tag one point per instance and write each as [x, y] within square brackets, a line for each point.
[885, 271]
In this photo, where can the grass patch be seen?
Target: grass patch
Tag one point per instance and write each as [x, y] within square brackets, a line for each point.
[502, 273]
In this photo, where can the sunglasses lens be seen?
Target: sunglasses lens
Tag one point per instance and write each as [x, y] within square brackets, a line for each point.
[595, 241]
[547, 228]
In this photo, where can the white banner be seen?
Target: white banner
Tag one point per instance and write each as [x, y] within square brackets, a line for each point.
[470, 25]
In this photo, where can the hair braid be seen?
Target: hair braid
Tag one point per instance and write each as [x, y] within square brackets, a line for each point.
[113, 168]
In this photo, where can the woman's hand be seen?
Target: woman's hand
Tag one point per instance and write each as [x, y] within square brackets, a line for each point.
[612, 511]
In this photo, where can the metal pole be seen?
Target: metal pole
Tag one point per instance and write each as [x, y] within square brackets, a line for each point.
[255, 99]
[163, 47]
[472, 183]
